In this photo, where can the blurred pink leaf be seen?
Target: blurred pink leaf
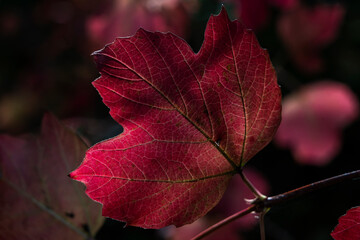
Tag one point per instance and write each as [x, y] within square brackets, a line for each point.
[349, 226]
[38, 200]
[312, 120]
[305, 31]
[126, 16]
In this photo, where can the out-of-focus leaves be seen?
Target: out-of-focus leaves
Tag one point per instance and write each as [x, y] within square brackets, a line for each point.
[38, 200]
[127, 16]
[349, 226]
[306, 31]
[46, 64]
[14, 107]
[312, 120]
[256, 14]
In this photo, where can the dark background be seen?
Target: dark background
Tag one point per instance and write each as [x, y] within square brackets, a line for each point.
[45, 65]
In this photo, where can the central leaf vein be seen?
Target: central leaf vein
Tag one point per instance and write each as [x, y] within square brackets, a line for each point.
[163, 180]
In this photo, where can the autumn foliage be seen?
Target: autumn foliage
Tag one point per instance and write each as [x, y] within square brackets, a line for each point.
[191, 121]
[187, 144]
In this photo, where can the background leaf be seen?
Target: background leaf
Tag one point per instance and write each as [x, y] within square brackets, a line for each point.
[312, 121]
[38, 200]
[306, 31]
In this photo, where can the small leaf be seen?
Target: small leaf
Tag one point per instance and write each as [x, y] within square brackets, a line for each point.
[190, 122]
[349, 226]
[38, 200]
[312, 121]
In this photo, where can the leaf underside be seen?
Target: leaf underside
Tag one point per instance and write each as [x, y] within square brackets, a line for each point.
[190, 122]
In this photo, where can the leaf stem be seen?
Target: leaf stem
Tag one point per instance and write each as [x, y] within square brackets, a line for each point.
[262, 225]
[252, 188]
[225, 221]
[262, 205]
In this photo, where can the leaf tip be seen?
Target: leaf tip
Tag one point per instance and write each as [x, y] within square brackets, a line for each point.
[223, 11]
[222, 8]
[93, 54]
[72, 175]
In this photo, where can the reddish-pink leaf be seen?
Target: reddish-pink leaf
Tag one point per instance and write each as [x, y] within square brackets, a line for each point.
[312, 121]
[349, 226]
[190, 122]
[38, 200]
[306, 31]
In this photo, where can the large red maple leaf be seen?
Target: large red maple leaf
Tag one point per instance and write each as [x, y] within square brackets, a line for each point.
[190, 122]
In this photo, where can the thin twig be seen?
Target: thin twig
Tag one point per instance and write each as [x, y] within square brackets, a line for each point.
[225, 221]
[252, 188]
[298, 192]
[262, 205]
[262, 225]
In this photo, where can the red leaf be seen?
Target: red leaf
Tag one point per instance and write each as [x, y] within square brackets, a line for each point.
[190, 122]
[38, 200]
[349, 226]
[312, 121]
